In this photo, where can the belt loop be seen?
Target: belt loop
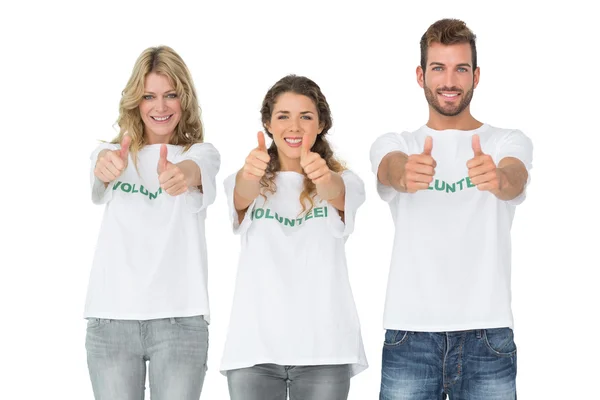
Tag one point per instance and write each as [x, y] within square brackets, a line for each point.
[172, 320]
[479, 333]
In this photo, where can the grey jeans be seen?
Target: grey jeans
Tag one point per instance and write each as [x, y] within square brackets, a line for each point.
[176, 349]
[274, 382]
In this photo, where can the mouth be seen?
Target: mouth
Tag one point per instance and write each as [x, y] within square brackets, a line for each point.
[161, 120]
[293, 141]
[449, 96]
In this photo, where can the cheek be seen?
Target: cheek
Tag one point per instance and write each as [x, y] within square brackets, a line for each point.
[430, 81]
[176, 106]
[467, 83]
[311, 127]
[144, 108]
[277, 126]
[176, 109]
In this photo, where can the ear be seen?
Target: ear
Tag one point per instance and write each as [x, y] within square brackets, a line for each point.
[476, 78]
[420, 77]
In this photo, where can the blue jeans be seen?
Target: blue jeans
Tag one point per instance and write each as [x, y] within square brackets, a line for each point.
[274, 382]
[176, 349]
[468, 365]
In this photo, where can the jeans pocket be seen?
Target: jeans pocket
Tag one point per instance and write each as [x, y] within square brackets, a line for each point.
[96, 323]
[92, 322]
[195, 323]
[500, 341]
[395, 338]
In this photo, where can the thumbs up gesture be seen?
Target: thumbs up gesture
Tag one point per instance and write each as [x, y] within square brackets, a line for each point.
[419, 169]
[313, 165]
[482, 169]
[111, 163]
[170, 176]
[257, 161]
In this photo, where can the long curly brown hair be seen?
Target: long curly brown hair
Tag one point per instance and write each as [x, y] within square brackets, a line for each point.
[306, 87]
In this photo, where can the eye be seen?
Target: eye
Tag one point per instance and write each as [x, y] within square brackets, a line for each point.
[436, 69]
[281, 116]
[461, 69]
[307, 117]
[172, 96]
[147, 97]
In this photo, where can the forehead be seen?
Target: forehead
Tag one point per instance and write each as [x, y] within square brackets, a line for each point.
[155, 82]
[449, 54]
[294, 101]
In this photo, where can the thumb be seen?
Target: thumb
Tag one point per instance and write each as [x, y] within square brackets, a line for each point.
[428, 146]
[306, 145]
[162, 161]
[125, 142]
[476, 145]
[261, 141]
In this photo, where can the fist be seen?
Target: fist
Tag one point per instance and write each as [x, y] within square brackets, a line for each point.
[170, 176]
[313, 164]
[419, 169]
[257, 161]
[482, 169]
[111, 163]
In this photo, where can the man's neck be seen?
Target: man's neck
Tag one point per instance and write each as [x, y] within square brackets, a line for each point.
[462, 122]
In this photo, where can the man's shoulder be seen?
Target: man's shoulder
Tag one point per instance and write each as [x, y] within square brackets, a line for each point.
[497, 131]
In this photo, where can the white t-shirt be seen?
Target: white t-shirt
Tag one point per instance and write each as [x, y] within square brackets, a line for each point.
[293, 304]
[150, 260]
[451, 259]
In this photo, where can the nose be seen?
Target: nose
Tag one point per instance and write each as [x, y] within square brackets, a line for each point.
[294, 125]
[161, 104]
[450, 79]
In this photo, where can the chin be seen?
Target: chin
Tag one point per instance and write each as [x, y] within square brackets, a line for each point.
[292, 155]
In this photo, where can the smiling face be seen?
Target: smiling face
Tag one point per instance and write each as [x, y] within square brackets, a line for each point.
[294, 117]
[449, 79]
[160, 108]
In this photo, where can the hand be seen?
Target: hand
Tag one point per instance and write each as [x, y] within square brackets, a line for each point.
[171, 178]
[419, 169]
[313, 165]
[257, 161]
[111, 163]
[482, 169]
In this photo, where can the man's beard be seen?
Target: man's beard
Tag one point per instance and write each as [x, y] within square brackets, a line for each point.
[448, 111]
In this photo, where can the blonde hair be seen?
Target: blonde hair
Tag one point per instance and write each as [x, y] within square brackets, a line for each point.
[306, 87]
[165, 61]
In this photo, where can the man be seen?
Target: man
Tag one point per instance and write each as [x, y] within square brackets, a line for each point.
[452, 187]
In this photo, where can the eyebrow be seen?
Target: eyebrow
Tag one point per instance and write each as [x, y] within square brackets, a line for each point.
[168, 91]
[287, 112]
[443, 65]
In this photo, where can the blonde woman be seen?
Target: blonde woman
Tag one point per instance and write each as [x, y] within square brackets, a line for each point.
[294, 327]
[147, 296]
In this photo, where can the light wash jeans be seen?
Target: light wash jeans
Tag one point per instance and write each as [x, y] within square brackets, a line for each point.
[176, 349]
[275, 382]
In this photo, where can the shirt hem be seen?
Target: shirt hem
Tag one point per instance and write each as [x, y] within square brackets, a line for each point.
[142, 317]
[448, 328]
[357, 364]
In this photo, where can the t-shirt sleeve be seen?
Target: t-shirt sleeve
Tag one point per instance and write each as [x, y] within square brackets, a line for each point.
[208, 159]
[354, 198]
[517, 145]
[238, 228]
[100, 194]
[384, 145]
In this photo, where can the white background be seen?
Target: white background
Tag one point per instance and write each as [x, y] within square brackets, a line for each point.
[64, 67]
